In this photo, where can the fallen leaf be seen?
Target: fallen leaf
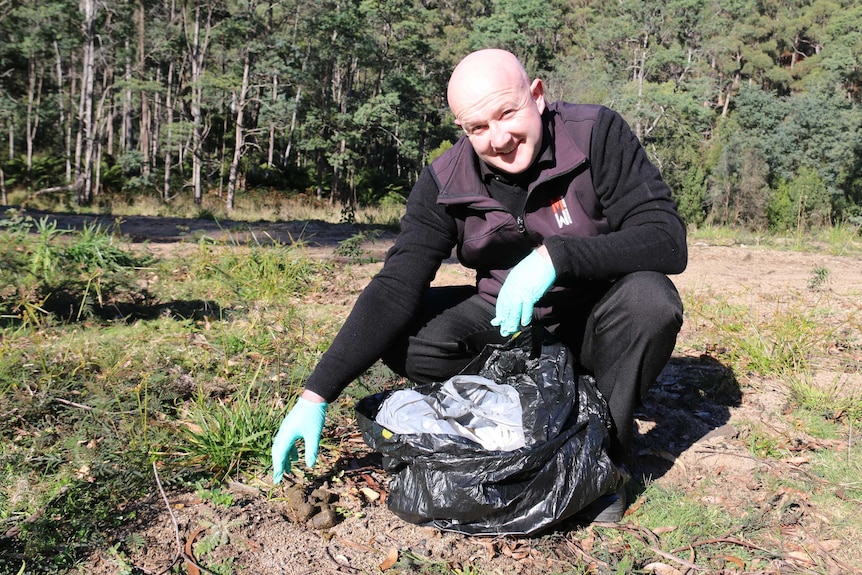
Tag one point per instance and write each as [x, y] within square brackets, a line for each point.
[735, 560]
[666, 529]
[191, 565]
[370, 481]
[391, 559]
[516, 551]
[635, 506]
[369, 493]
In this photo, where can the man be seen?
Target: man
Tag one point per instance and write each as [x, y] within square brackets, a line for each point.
[567, 225]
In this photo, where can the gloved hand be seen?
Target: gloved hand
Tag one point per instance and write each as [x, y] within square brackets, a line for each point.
[304, 421]
[526, 283]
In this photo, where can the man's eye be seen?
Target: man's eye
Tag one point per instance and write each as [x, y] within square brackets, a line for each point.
[473, 130]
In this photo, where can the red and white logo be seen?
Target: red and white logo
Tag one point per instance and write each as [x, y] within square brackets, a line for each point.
[561, 213]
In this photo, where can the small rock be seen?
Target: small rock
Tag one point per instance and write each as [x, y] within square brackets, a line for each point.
[325, 519]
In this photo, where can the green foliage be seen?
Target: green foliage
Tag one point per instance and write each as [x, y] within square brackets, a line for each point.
[263, 273]
[691, 197]
[217, 495]
[801, 204]
[819, 278]
[95, 404]
[70, 274]
[835, 401]
[352, 250]
[225, 437]
[778, 340]
[350, 98]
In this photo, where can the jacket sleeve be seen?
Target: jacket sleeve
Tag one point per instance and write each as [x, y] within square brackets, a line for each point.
[647, 232]
[391, 300]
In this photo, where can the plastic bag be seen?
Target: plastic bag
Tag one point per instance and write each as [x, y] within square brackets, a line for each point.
[452, 483]
[470, 406]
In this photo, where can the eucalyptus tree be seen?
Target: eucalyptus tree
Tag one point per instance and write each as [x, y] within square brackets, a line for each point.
[529, 28]
[85, 143]
[167, 67]
[337, 42]
[403, 97]
[199, 17]
[834, 57]
[238, 42]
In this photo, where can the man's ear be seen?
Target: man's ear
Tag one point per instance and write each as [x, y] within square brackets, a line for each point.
[537, 91]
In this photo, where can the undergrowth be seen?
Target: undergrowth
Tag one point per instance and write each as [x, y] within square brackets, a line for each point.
[193, 370]
[111, 362]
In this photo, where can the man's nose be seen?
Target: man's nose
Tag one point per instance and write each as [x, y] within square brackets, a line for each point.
[499, 136]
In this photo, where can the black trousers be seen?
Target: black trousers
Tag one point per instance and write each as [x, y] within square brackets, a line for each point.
[624, 339]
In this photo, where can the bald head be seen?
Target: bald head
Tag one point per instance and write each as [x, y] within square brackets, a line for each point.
[492, 99]
[482, 72]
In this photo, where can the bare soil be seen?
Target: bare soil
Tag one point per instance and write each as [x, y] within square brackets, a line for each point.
[694, 435]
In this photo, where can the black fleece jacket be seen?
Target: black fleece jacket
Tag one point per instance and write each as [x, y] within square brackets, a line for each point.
[646, 234]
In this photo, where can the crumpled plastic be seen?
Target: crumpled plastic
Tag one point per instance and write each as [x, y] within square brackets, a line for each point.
[452, 483]
[469, 406]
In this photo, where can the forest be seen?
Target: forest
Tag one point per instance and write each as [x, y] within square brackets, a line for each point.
[751, 108]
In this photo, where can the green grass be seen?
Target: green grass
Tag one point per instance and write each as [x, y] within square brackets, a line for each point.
[772, 338]
[196, 377]
[842, 239]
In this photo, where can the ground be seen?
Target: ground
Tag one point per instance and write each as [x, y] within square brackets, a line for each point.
[692, 436]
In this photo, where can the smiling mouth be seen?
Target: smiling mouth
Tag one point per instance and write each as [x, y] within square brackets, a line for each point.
[511, 152]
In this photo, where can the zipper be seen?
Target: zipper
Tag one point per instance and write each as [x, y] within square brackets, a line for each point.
[522, 227]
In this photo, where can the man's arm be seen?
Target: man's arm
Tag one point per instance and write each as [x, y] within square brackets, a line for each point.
[648, 233]
[384, 309]
[391, 300]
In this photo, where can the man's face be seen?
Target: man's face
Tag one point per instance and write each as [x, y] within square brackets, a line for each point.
[504, 124]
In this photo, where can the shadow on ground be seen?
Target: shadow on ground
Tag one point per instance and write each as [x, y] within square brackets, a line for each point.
[691, 400]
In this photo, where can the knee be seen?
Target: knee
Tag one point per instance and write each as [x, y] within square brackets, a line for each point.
[650, 303]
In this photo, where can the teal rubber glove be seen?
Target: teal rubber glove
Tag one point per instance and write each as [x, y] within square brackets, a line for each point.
[526, 283]
[304, 421]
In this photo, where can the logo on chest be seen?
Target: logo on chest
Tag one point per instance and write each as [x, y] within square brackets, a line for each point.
[561, 212]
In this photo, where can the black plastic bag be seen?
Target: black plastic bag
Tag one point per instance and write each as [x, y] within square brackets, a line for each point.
[451, 483]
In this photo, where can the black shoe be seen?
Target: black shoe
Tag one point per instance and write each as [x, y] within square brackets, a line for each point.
[608, 508]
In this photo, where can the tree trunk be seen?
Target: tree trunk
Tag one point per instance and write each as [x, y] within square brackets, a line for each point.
[11, 139]
[169, 137]
[145, 128]
[198, 48]
[126, 137]
[85, 142]
[239, 138]
[296, 98]
[34, 97]
[65, 125]
[270, 150]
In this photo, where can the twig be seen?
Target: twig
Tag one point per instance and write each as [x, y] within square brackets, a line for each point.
[584, 555]
[89, 408]
[181, 552]
[642, 533]
[73, 404]
[731, 540]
